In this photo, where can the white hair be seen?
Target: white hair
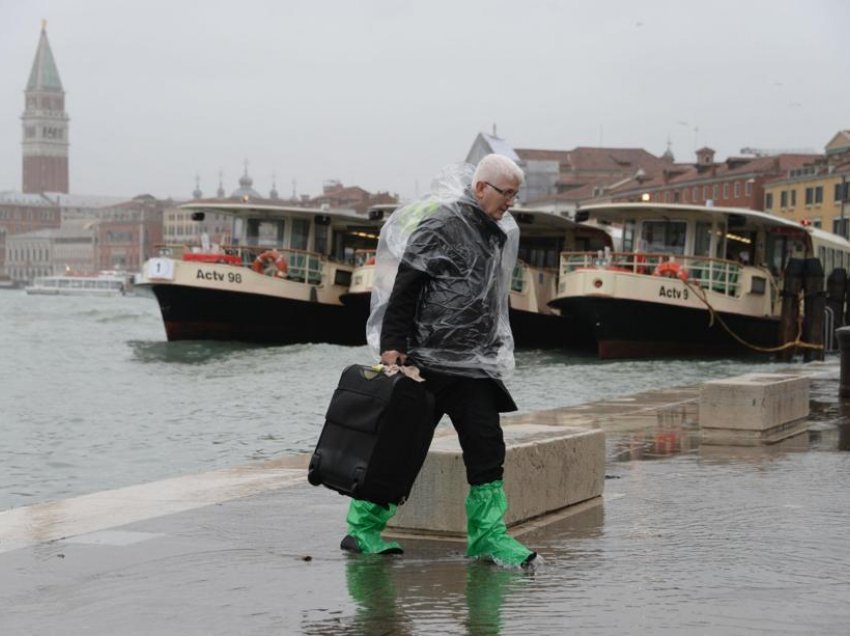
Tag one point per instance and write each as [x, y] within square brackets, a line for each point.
[493, 166]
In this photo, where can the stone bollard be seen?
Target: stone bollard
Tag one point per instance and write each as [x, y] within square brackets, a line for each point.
[843, 335]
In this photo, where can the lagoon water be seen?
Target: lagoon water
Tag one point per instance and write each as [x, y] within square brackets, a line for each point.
[93, 397]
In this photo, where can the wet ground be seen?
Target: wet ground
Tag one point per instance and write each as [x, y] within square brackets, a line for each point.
[688, 539]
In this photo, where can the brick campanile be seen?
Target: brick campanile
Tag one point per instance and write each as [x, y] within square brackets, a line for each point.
[45, 125]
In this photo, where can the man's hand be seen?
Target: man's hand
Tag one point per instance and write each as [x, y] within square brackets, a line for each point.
[393, 357]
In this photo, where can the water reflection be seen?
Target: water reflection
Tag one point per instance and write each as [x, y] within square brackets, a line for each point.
[844, 425]
[401, 596]
[486, 589]
[370, 583]
[187, 351]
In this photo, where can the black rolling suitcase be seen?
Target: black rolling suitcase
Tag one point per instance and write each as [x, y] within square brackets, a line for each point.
[376, 435]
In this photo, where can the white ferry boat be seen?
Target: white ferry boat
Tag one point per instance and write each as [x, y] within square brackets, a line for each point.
[103, 284]
[689, 280]
[278, 280]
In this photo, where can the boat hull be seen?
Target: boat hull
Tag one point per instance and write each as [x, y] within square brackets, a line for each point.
[197, 313]
[534, 330]
[625, 328]
[531, 330]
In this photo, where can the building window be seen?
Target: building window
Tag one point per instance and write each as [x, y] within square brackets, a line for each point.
[840, 226]
[748, 188]
[783, 199]
[705, 192]
[810, 196]
[768, 200]
[818, 195]
[725, 190]
[737, 189]
[695, 194]
[685, 195]
[793, 198]
[715, 191]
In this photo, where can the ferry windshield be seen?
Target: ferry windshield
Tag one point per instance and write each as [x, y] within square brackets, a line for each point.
[663, 236]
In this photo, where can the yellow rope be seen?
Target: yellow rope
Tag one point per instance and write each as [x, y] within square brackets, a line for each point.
[797, 342]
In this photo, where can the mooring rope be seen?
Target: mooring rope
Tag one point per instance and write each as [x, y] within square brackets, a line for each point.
[797, 342]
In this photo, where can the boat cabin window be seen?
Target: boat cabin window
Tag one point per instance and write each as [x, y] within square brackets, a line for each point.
[347, 241]
[320, 242]
[265, 233]
[702, 239]
[545, 252]
[628, 236]
[740, 245]
[300, 234]
[780, 249]
[663, 236]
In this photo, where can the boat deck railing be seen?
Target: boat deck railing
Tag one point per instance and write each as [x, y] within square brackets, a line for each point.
[717, 274]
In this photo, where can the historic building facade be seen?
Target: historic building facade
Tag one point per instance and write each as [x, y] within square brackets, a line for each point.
[735, 182]
[45, 126]
[817, 193]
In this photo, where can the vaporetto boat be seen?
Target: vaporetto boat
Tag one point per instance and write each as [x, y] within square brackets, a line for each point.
[688, 279]
[544, 235]
[277, 280]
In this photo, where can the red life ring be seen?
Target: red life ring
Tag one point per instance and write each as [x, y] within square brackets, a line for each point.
[265, 261]
[670, 269]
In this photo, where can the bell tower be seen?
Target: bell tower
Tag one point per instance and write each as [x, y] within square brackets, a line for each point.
[45, 125]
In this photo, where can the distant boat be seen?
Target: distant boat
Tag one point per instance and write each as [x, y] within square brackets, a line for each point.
[102, 284]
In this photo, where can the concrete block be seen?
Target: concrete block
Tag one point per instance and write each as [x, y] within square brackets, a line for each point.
[752, 409]
[546, 469]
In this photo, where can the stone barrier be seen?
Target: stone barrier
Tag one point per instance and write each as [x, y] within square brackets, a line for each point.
[753, 409]
[547, 468]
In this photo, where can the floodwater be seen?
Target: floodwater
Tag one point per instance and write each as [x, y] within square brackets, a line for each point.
[688, 545]
[93, 397]
[688, 539]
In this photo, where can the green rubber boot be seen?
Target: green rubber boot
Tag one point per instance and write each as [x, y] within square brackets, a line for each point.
[366, 522]
[486, 534]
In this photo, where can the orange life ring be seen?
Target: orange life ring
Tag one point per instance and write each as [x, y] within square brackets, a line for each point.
[670, 269]
[265, 260]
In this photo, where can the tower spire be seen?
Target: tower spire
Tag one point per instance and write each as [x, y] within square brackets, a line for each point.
[45, 124]
[220, 192]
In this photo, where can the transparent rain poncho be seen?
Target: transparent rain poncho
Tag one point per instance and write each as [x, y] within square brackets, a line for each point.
[461, 324]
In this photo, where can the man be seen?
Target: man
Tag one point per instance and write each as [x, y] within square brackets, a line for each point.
[447, 313]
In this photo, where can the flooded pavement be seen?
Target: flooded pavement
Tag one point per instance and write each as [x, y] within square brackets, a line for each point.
[687, 539]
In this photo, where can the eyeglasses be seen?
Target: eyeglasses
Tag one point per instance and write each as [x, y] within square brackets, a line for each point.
[508, 194]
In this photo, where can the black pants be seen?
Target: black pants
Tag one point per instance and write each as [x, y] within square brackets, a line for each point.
[473, 405]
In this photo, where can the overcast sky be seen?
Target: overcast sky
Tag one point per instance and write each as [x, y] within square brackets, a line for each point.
[382, 93]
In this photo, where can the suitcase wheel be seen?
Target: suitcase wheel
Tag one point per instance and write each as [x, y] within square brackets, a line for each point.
[313, 475]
